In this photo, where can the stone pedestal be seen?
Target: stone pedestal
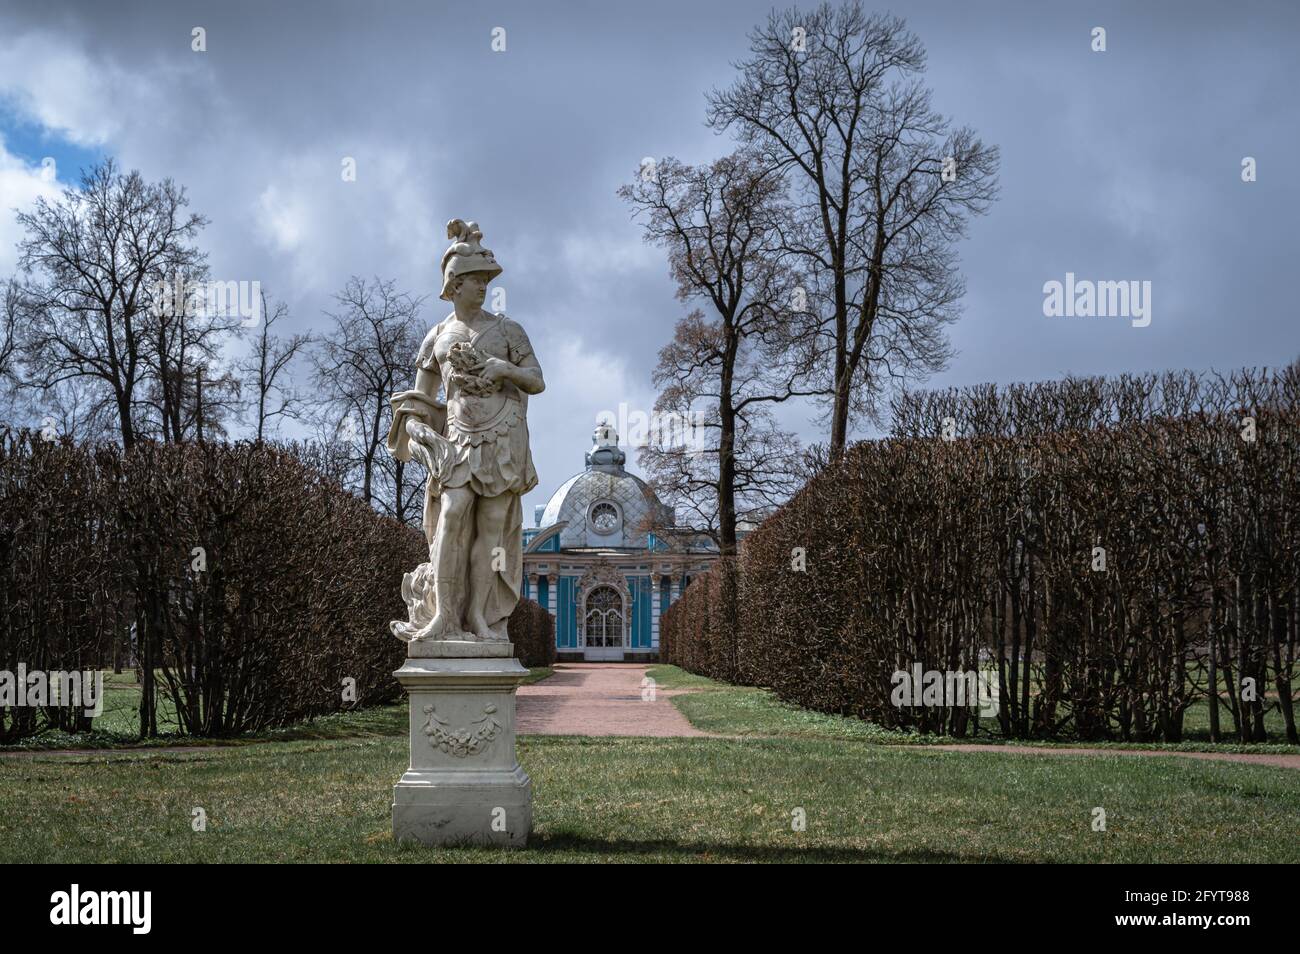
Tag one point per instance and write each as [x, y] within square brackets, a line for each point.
[465, 784]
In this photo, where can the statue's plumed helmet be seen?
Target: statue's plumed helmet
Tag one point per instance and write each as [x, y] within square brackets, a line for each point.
[465, 255]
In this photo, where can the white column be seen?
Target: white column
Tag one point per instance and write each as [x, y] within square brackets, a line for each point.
[655, 610]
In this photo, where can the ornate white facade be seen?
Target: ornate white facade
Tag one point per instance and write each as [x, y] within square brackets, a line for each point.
[603, 559]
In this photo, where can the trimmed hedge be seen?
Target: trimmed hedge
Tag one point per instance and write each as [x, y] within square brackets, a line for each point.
[532, 631]
[63, 572]
[981, 550]
[258, 591]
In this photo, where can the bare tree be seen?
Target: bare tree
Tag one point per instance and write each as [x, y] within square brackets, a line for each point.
[400, 493]
[71, 408]
[686, 476]
[884, 186]
[95, 256]
[9, 377]
[9, 311]
[264, 370]
[207, 398]
[190, 391]
[358, 364]
[68, 409]
[720, 224]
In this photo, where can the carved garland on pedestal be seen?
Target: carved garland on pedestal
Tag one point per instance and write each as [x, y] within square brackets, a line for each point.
[462, 742]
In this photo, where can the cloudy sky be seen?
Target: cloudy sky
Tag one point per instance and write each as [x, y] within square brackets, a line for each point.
[1117, 165]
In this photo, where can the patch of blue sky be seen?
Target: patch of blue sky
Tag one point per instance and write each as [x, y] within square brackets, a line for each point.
[34, 143]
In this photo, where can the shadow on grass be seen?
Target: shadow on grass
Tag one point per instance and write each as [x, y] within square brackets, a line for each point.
[562, 843]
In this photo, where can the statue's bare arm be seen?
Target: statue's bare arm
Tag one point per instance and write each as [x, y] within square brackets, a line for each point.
[526, 375]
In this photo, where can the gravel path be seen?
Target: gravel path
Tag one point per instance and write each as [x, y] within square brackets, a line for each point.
[598, 699]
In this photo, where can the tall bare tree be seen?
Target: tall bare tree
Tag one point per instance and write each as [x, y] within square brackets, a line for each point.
[883, 186]
[9, 377]
[206, 400]
[358, 365]
[686, 475]
[67, 408]
[721, 226]
[190, 393]
[9, 311]
[264, 371]
[93, 258]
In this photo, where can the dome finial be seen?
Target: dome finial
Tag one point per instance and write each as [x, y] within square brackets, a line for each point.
[605, 451]
[604, 435]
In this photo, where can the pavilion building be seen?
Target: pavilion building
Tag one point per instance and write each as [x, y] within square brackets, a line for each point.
[604, 557]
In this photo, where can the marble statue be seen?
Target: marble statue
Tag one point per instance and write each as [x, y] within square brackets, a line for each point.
[466, 421]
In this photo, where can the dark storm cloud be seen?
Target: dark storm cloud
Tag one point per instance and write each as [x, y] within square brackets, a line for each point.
[1116, 165]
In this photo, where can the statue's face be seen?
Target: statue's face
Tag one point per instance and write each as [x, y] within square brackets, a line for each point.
[473, 289]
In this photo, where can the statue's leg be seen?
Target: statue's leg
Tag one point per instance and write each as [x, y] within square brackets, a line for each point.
[484, 561]
[451, 556]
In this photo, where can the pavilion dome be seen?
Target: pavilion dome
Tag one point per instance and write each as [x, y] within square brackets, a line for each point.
[604, 506]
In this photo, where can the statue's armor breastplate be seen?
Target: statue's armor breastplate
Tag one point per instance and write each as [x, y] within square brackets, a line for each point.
[476, 413]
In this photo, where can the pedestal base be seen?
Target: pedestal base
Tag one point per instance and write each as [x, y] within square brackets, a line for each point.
[493, 808]
[464, 784]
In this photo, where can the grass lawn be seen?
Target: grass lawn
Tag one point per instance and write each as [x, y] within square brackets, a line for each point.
[300, 797]
[119, 724]
[741, 710]
[672, 677]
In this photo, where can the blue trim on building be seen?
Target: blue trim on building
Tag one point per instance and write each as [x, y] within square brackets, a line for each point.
[640, 587]
[566, 630]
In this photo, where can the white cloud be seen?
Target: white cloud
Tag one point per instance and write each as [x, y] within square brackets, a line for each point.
[580, 383]
[315, 221]
[281, 218]
[87, 100]
[20, 185]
